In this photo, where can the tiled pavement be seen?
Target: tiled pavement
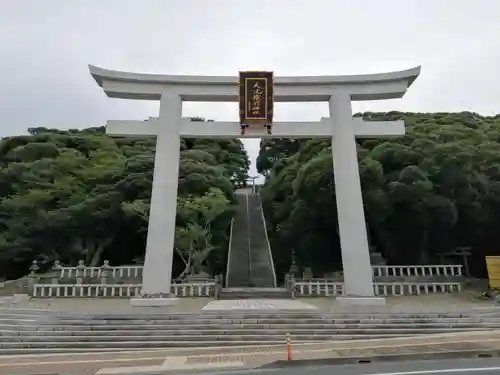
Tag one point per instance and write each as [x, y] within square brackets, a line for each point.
[394, 304]
[258, 304]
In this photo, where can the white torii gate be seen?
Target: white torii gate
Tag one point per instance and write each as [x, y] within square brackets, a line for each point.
[341, 127]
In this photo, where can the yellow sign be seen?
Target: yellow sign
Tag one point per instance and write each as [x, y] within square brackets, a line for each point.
[493, 266]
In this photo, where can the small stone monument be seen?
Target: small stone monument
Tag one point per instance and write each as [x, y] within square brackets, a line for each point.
[377, 259]
[55, 272]
[200, 277]
[307, 274]
[294, 269]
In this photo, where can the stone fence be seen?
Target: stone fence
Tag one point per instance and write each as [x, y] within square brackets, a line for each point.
[378, 271]
[418, 271]
[325, 288]
[81, 270]
[207, 289]
[125, 281]
[108, 281]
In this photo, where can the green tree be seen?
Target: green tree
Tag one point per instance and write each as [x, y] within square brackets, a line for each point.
[78, 194]
[424, 194]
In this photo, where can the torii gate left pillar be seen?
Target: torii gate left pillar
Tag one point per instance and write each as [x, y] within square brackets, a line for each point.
[169, 127]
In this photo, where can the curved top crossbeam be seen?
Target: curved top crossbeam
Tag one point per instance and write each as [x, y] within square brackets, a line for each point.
[127, 85]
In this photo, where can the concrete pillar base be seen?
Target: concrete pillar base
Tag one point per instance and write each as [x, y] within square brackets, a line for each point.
[361, 301]
[21, 298]
[154, 302]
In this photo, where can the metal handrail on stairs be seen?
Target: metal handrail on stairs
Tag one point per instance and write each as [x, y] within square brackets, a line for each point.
[250, 275]
[267, 240]
[229, 253]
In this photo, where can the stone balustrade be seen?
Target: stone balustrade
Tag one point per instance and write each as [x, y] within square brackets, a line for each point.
[206, 289]
[326, 288]
[417, 271]
[95, 272]
[124, 281]
[318, 288]
[378, 271]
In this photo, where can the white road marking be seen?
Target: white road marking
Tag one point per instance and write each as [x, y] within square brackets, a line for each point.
[129, 370]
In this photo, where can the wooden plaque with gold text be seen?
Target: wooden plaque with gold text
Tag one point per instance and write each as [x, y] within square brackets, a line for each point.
[256, 98]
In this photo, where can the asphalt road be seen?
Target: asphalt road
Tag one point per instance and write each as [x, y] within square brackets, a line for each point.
[487, 366]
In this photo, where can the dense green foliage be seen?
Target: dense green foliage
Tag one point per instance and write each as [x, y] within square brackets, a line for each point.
[425, 194]
[71, 195]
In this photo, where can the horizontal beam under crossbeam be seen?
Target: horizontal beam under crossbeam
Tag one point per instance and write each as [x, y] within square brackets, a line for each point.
[199, 129]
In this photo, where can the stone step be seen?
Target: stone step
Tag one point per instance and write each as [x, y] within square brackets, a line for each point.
[239, 253]
[262, 323]
[261, 260]
[253, 295]
[200, 337]
[31, 312]
[283, 328]
[201, 320]
[243, 314]
[65, 346]
[210, 334]
[175, 343]
[235, 322]
[54, 347]
[245, 327]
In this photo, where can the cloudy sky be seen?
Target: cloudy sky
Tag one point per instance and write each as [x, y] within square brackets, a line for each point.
[46, 46]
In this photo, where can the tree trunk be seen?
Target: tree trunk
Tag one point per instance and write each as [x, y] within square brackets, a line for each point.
[187, 269]
[96, 257]
[424, 253]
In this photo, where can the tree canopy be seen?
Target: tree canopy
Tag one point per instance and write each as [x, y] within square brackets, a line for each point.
[79, 194]
[425, 194]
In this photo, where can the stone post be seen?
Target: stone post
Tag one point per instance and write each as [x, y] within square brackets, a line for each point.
[56, 272]
[292, 285]
[32, 276]
[80, 272]
[105, 272]
[294, 270]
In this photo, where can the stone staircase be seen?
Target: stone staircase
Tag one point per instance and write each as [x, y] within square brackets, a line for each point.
[238, 270]
[262, 267]
[250, 269]
[24, 331]
[255, 292]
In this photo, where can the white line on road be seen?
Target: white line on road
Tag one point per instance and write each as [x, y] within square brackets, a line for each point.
[438, 371]
[170, 363]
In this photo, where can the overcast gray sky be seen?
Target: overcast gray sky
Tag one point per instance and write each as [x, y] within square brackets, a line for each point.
[46, 46]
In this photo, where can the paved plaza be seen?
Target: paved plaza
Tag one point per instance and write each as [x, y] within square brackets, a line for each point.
[424, 303]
